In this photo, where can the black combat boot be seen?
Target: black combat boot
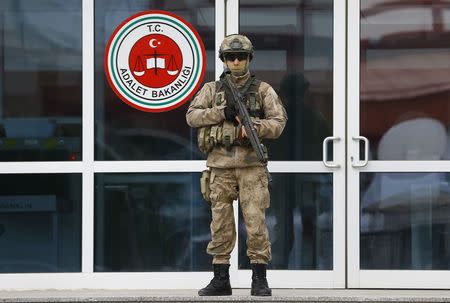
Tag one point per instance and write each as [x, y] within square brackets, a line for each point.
[259, 280]
[220, 284]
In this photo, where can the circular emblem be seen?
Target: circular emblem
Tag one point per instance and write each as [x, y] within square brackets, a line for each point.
[155, 61]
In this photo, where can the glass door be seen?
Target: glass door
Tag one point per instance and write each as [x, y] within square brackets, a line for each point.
[398, 151]
[300, 50]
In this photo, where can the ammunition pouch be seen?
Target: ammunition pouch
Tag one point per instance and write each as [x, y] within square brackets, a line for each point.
[204, 185]
[229, 134]
[223, 134]
[203, 139]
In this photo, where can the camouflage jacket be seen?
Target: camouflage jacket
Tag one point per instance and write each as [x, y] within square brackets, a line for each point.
[202, 112]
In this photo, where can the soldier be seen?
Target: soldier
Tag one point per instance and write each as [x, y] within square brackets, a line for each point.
[234, 167]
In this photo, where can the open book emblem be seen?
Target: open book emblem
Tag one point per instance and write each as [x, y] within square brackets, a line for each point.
[156, 61]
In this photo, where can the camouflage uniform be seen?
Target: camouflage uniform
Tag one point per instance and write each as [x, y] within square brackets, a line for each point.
[237, 173]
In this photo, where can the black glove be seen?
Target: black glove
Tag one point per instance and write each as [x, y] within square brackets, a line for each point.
[230, 113]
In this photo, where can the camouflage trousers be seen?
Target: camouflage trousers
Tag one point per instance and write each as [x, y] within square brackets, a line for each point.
[251, 186]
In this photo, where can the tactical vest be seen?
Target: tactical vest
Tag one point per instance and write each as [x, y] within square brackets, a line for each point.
[226, 133]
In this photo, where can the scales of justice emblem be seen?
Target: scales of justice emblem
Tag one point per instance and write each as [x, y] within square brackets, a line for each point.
[155, 61]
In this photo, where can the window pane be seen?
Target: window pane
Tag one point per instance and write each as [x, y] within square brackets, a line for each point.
[405, 79]
[40, 90]
[125, 133]
[300, 223]
[405, 221]
[40, 223]
[150, 222]
[293, 44]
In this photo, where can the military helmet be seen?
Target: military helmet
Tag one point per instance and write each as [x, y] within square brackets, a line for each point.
[235, 44]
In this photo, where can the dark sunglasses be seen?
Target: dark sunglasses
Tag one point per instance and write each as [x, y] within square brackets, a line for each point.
[234, 56]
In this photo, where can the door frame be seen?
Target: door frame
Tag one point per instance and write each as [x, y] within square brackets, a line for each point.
[88, 167]
[311, 278]
[358, 278]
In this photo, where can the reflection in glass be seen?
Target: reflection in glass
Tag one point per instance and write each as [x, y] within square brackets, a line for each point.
[150, 222]
[40, 90]
[405, 221]
[40, 223]
[293, 44]
[405, 79]
[125, 133]
[300, 223]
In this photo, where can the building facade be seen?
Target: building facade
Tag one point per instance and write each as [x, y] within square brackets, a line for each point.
[97, 194]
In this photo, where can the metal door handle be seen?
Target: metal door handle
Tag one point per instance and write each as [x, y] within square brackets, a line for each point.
[325, 152]
[366, 152]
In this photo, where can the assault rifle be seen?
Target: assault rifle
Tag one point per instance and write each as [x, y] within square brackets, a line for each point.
[244, 117]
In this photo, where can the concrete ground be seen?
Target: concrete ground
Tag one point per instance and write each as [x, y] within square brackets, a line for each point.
[239, 295]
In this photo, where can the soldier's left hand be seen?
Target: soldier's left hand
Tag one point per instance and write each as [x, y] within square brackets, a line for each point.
[243, 132]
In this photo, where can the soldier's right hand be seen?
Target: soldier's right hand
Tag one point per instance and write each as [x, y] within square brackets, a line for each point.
[230, 113]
